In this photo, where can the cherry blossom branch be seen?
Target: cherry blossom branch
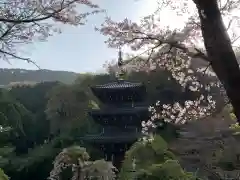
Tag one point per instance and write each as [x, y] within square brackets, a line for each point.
[36, 19]
[10, 27]
[197, 54]
[18, 57]
[205, 70]
[23, 22]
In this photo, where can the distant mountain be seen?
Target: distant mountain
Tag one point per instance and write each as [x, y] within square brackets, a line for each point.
[22, 75]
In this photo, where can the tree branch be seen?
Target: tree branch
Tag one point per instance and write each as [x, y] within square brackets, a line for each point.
[198, 54]
[28, 60]
[7, 31]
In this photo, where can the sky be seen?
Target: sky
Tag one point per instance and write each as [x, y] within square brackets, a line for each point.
[82, 49]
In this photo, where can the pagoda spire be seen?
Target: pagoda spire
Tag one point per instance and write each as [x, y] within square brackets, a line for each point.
[120, 60]
[120, 75]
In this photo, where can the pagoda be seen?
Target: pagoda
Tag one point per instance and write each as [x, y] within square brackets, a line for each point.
[120, 116]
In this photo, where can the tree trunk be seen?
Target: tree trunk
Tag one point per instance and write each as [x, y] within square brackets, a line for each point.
[219, 50]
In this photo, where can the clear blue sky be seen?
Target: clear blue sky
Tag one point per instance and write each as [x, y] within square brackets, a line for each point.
[79, 49]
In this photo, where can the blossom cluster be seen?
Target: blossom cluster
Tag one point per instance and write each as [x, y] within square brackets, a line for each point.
[60, 163]
[179, 113]
[81, 167]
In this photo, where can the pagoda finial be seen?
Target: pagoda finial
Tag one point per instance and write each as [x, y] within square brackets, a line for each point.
[120, 74]
[120, 60]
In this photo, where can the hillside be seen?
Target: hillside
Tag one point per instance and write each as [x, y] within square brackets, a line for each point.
[18, 75]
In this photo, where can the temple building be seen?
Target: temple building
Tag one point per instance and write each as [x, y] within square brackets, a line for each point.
[120, 116]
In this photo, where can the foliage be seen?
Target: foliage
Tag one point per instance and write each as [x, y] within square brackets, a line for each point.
[38, 94]
[84, 83]
[151, 159]
[66, 104]
[16, 116]
[229, 110]
[3, 176]
[39, 145]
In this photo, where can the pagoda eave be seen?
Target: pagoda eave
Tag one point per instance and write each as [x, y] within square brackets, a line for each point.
[111, 139]
[120, 91]
[120, 111]
[120, 84]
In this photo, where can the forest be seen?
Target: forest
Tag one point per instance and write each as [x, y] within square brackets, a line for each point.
[13, 76]
[191, 75]
[40, 120]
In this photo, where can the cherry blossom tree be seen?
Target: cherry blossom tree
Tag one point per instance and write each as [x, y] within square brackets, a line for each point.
[180, 51]
[25, 21]
[77, 158]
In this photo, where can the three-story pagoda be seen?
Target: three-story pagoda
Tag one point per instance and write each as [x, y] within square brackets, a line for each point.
[120, 116]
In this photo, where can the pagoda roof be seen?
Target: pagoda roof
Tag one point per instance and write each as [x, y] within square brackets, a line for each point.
[114, 111]
[106, 138]
[121, 84]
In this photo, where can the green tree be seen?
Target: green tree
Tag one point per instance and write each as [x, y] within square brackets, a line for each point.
[16, 116]
[34, 98]
[152, 160]
[66, 105]
[3, 176]
[85, 81]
